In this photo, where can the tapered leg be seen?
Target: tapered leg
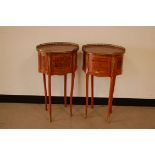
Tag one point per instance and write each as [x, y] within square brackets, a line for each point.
[49, 92]
[112, 85]
[71, 93]
[92, 91]
[65, 90]
[45, 90]
[87, 80]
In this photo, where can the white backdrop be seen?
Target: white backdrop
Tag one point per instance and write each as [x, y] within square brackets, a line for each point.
[19, 70]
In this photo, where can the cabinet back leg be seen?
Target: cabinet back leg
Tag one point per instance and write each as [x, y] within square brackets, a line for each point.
[92, 91]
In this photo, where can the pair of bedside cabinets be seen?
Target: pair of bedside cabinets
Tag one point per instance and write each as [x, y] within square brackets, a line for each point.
[60, 58]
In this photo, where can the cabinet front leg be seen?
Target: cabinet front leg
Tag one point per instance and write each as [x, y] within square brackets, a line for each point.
[45, 90]
[71, 93]
[87, 80]
[65, 90]
[49, 91]
[111, 91]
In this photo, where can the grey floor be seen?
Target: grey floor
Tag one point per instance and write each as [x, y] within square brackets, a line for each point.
[34, 116]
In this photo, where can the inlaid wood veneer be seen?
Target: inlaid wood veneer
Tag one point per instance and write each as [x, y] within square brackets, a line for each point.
[57, 58]
[102, 60]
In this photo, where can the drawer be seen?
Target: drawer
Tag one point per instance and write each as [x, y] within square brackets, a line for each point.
[61, 63]
[99, 65]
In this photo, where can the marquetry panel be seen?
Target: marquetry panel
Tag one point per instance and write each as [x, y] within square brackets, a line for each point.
[60, 63]
[119, 64]
[99, 65]
[42, 62]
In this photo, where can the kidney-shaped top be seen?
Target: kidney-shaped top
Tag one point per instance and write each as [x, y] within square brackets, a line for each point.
[57, 47]
[103, 49]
